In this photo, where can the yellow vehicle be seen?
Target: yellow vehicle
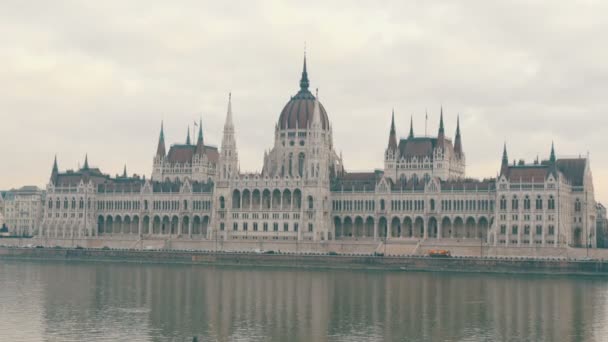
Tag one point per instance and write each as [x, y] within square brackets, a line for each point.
[439, 253]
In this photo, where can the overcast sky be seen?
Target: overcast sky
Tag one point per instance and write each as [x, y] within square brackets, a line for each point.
[98, 77]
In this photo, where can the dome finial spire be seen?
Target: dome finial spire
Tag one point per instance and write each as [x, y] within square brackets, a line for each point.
[304, 80]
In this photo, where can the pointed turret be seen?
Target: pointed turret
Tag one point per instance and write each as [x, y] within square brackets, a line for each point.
[504, 165]
[552, 155]
[188, 136]
[392, 137]
[411, 135]
[441, 133]
[200, 145]
[458, 140]
[124, 172]
[86, 162]
[441, 129]
[160, 150]
[55, 170]
[304, 83]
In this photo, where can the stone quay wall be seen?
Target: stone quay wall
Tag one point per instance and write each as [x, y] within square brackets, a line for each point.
[490, 264]
[461, 248]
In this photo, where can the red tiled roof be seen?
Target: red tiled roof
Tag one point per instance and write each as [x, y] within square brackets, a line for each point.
[212, 154]
[184, 153]
[181, 153]
[528, 173]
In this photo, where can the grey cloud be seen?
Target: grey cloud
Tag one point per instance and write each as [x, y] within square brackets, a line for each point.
[94, 77]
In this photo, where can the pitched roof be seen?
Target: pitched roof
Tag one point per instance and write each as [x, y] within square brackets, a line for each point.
[181, 153]
[421, 147]
[573, 169]
[527, 173]
[469, 184]
[356, 181]
[184, 153]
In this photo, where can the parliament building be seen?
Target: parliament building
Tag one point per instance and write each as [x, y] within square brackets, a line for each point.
[304, 192]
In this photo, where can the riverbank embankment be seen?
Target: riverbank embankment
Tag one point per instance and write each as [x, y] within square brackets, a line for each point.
[519, 265]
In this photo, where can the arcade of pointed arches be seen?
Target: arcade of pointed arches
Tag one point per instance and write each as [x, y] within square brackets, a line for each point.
[362, 227]
[158, 224]
[265, 199]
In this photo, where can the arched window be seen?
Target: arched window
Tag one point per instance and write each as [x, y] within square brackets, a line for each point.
[58, 203]
[290, 164]
[310, 202]
[50, 203]
[577, 205]
[382, 204]
[432, 204]
[222, 203]
[514, 203]
[236, 200]
[81, 204]
[503, 203]
[301, 164]
[65, 203]
[551, 203]
[527, 203]
[539, 203]
[145, 204]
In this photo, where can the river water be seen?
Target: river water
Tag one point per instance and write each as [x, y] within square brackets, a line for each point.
[80, 301]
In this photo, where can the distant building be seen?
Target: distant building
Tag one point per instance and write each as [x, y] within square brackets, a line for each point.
[602, 226]
[304, 192]
[2, 208]
[23, 210]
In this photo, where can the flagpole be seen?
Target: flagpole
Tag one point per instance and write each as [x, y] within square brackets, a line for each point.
[426, 119]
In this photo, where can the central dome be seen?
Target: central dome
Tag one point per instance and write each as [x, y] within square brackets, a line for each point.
[299, 110]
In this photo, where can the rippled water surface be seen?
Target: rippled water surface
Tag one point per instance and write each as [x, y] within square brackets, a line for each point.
[54, 301]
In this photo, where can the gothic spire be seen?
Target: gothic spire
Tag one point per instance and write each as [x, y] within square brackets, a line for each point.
[505, 157]
[160, 150]
[124, 171]
[552, 156]
[200, 143]
[457, 140]
[86, 162]
[200, 131]
[411, 135]
[55, 170]
[441, 130]
[188, 136]
[228, 123]
[304, 80]
[392, 138]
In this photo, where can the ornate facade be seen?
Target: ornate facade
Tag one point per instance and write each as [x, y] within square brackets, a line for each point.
[304, 192]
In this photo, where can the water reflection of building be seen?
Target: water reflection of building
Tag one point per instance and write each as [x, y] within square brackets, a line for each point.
[304, 192]
[162, 302]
